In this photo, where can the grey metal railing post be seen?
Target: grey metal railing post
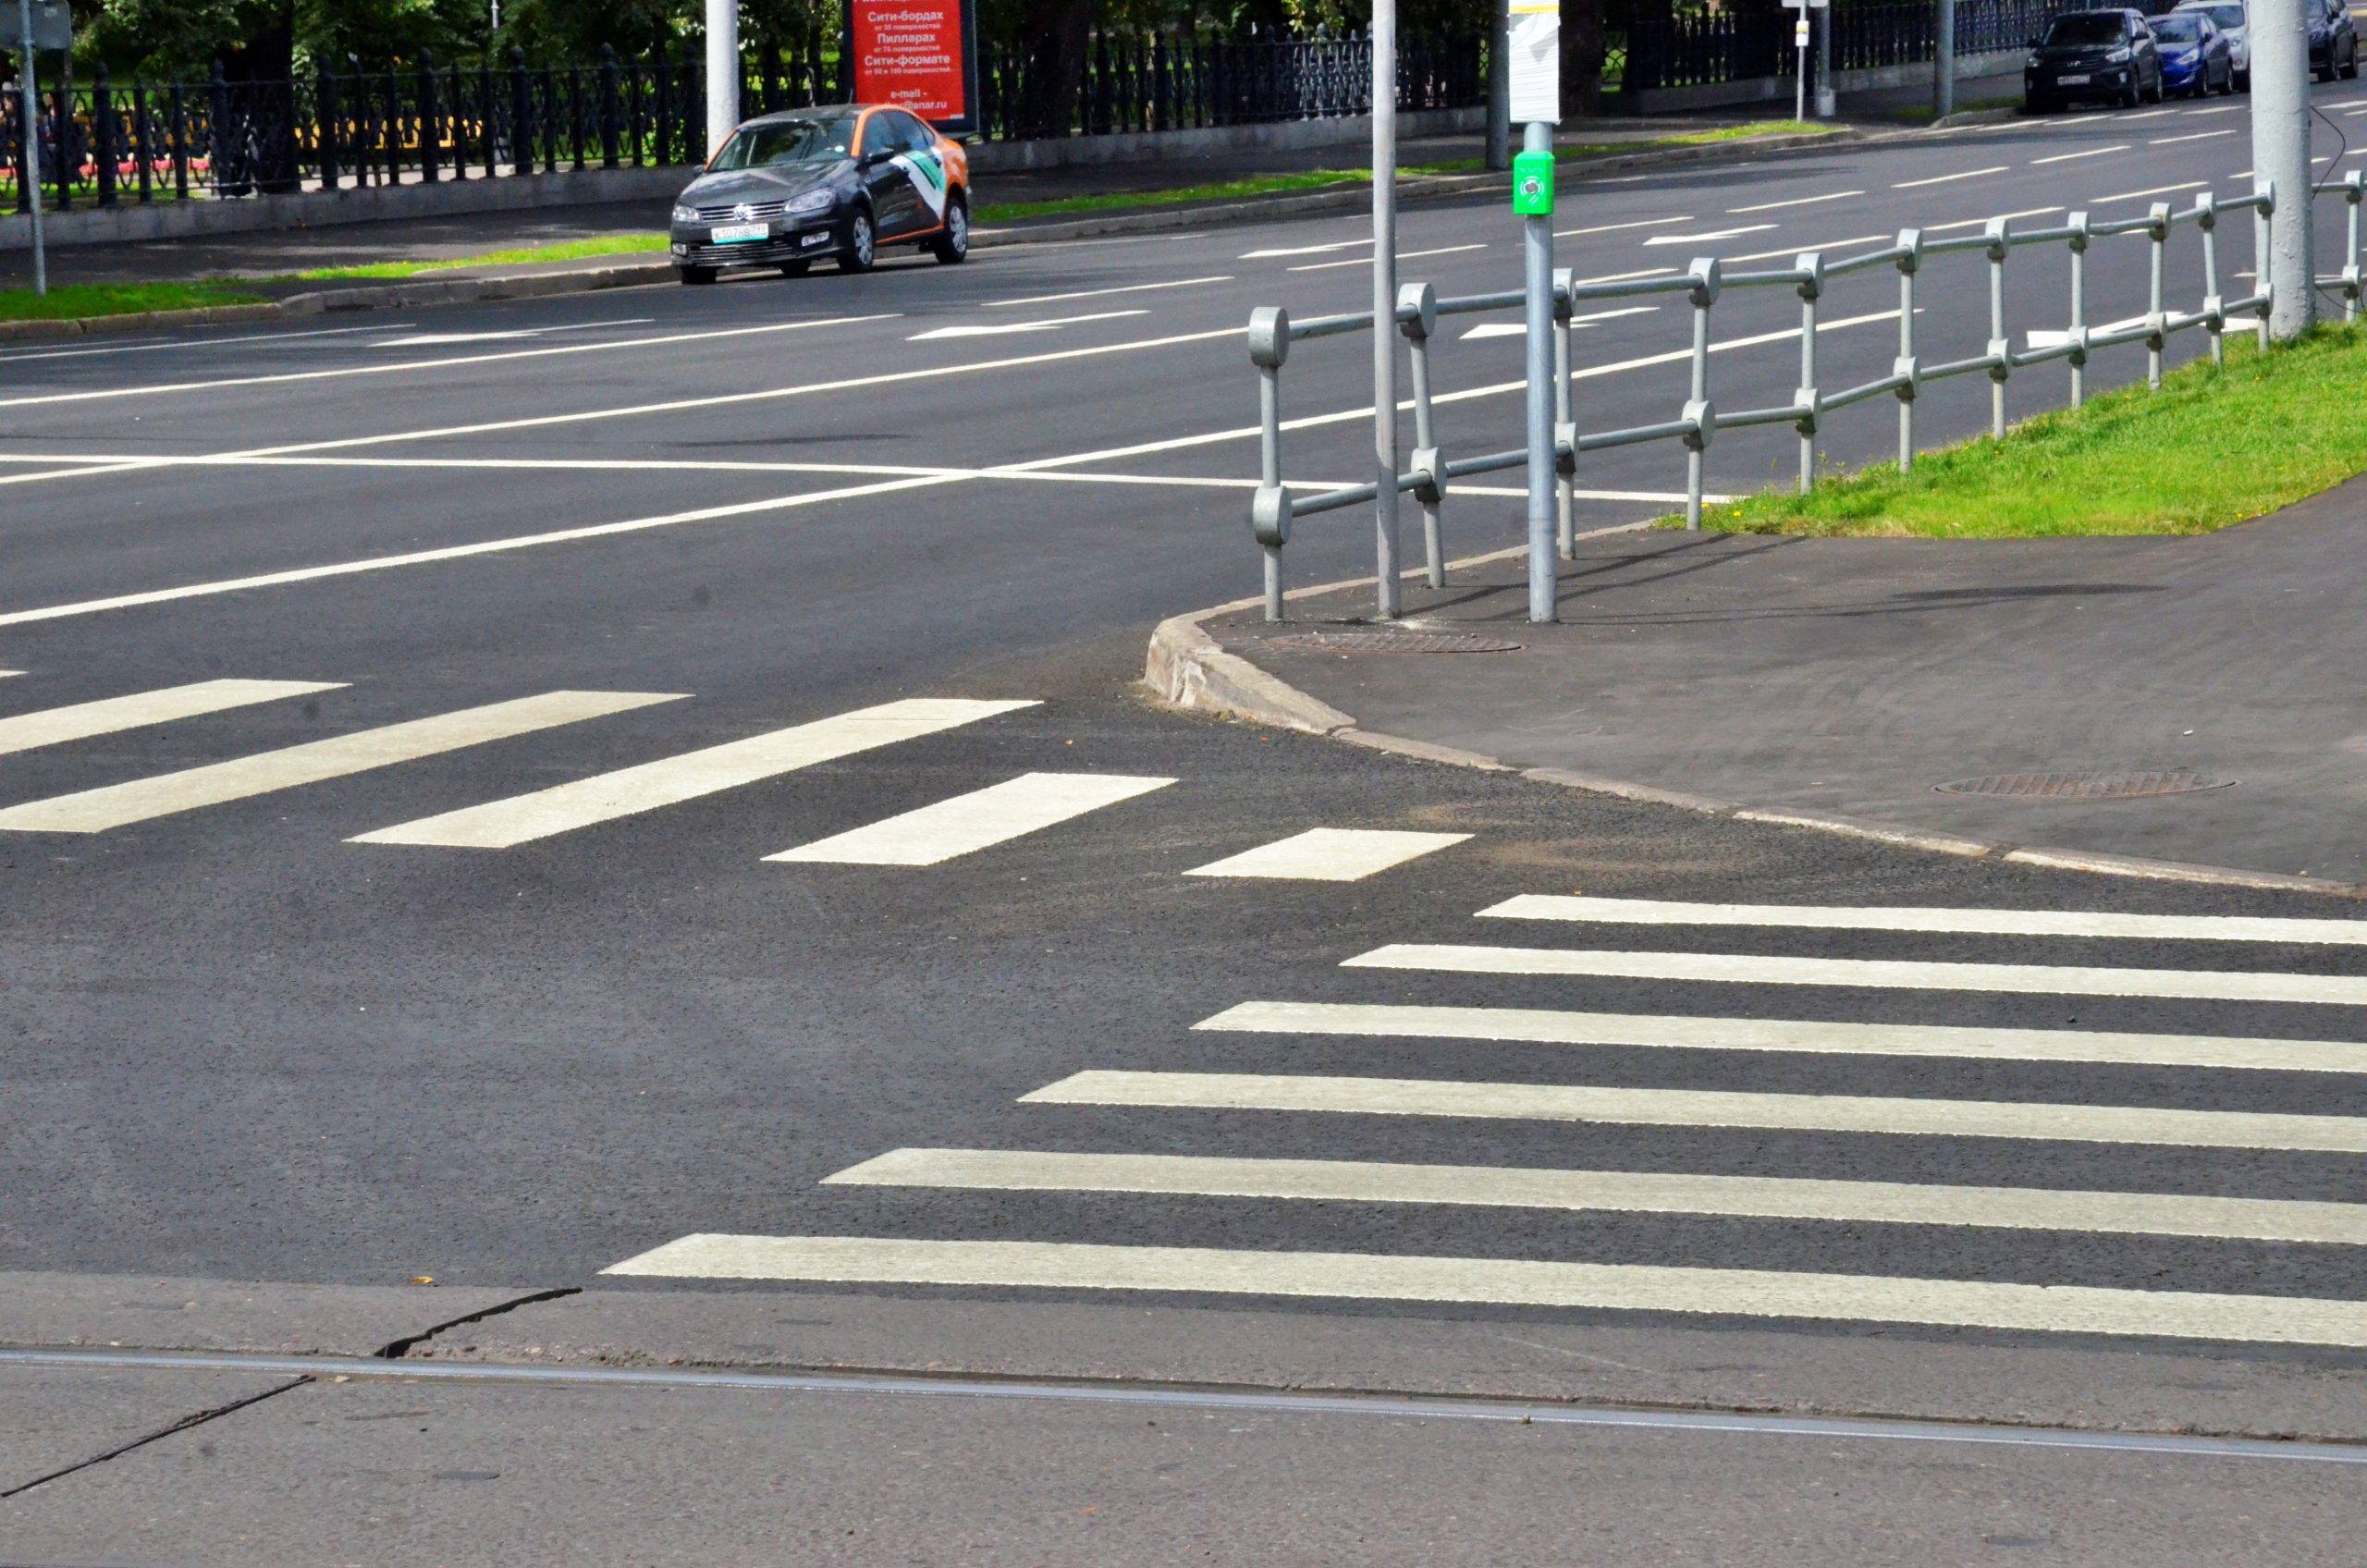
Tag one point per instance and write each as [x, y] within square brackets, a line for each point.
[2354, 185]
[2158, 236]
[1811, 288]
[2264, 285]
[2079, 355]
[1906, 367]
[2001, 347]
[1565, 443]
[1700, 417]
[1418, 318]
[2215, 312]
[1269, 507]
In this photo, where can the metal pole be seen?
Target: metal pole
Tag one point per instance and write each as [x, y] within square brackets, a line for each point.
[2160, 236]
[2080, 305]
[1500, 87]
[1826, 105]
[2215, 322]
[1944, 60]
[1537, 258]
[31, 128]
[1704, 296]
[1910, 244]
[722, 72]
[1384, 306]
[1800, 70]
[1270, 473]
[1565, 523]
[2281, 158]
[1810, 289]
[2001, 347]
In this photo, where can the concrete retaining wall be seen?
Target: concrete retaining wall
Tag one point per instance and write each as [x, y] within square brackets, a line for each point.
[1979, 69]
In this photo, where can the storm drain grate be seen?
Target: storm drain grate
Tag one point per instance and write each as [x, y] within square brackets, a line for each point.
[2096, 785]
[1393, 642]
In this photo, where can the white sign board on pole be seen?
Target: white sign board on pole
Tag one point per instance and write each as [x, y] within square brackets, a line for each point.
[1536, 57]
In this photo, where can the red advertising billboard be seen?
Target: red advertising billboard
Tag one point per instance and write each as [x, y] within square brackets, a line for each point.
[919, 54]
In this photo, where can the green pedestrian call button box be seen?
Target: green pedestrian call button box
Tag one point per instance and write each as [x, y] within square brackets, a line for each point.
[1533, 184]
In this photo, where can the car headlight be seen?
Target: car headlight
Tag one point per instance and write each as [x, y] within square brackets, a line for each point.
[2031, 64]
[2118, 57]
[813, 201]
[685, 215]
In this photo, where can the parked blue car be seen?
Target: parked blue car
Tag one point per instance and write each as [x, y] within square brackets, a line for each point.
[2196, 57]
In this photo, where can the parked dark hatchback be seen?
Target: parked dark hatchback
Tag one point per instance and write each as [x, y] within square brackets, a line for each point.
[838, 183]
[2097, 56]
[2334, 40]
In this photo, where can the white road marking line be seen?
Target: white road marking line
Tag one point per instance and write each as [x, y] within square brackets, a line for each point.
[1741, 1292]
[2083, 153]
[1331, 854]
[1977, 223]
[1626, 1192]
[2192, 136]
[1983, 922]
[2044, 338]
[1302, 250]
[1401, 255]
[428, 340]
[1948, 178]
[1624, 277]
[1520, 329]
[2361, 110]
[2149, 191]
[2219, 109]
[1753, 969]
[200, 343]
[279, 378]
[1617, 228]
[1496, 329]
[1545, 1026]
[5, 674]
[980, 820]
[110, 714]
[1804, 250]
[1795, 202]
[1711, 1107]
[562, 808]
[1701, 238]
[996, 329]
[1096, 293]
[95, 811]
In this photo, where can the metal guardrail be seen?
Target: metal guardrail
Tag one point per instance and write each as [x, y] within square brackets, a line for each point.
[1273, 508]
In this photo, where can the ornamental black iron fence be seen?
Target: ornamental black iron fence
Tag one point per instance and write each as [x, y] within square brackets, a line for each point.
[106, 143]
[1702, 51]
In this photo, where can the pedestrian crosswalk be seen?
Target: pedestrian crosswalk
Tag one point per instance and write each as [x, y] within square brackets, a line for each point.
[110, 714]
[1330, 855]
[1263, 1181]
[976, 821]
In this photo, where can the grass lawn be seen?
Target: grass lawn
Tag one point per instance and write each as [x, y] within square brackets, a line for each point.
[2212, 448]
[69, 300]
[565, 250]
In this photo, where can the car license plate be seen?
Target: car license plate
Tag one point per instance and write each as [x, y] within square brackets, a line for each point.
[732, 233]
[2059, 81]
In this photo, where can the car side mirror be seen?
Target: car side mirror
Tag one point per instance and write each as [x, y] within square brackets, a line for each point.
[873, 160]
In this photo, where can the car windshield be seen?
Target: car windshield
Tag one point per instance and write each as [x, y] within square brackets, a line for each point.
[2225, 15]
[2087, 27]
[2177, 29]
[785, 142]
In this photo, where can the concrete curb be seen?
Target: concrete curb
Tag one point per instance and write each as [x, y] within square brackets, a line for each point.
[1187, 669]
[411, 293]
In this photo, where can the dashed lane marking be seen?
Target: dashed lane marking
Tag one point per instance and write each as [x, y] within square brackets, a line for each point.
[1097, 293]
[1707, 1107]
[1795, 202]
[1401, 255]
[1708, 235]
[2083, 153]
[95, 811]
[1000, 328]
[1302, 250]
[1628, 1191]
[1691, 1032]
[1978, 922]
[1331, 854]
[2075, 1309]
[1949, 179]
[109, 715]
[1751, 969]
[980, 820]
[499, 824]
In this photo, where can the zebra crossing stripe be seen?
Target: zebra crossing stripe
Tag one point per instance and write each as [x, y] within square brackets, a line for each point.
[1703, 1108]
[109, 715]
[1330, 855]
[95, 811]
[1752, 969]
[1546, 1027]
[976, 821]
[1974, 921]
[497, 825]
[1736, 1292]
[1757, 1197]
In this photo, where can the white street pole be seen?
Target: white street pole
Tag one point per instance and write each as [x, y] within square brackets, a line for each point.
[1536, 57]
[1944, 60]
[1384, 301]
[1800, 82]
[2280, 42]
[1826, 105]
[722, 72]
[32, 126]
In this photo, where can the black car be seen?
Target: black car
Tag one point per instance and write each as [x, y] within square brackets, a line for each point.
[2334, 42]
[2098, 55]
[839, 182]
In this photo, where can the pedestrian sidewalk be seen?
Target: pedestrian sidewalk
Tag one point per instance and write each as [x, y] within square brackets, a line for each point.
[1866, 678]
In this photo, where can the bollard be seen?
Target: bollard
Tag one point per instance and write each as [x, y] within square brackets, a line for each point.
[2079, 246]
[1906, 368]
[2001, 347]
[2157, 234]
[1811, 289]
[1418, 318]
[1701, 418]
[1269, 507]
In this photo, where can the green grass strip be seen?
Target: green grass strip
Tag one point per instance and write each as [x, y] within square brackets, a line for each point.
[2212, 448]
[524, 255]
[69, 302]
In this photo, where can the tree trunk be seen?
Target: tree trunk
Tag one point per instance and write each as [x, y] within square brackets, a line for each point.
[1059, 34]
[1582, 56]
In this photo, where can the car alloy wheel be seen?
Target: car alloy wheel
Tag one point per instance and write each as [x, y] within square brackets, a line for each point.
[955, 243]
[861, 245]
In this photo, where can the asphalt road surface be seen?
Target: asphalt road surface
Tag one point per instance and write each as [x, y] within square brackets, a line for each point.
[652, 780]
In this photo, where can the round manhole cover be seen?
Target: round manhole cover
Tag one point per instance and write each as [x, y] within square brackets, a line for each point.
[1392, 642]
[2095, 785]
